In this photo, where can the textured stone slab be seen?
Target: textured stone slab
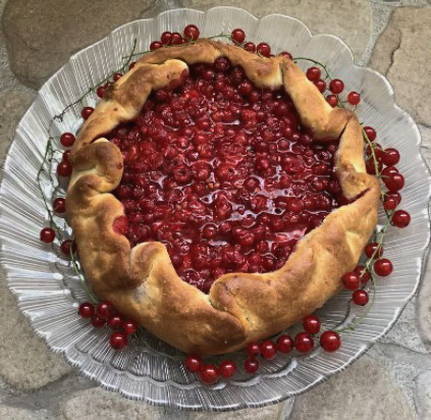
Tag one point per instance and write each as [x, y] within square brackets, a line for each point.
[14, 413]
[39, 42]
[364, 391]
[97, 403]
[423, 394]
[402, 52]
[351, 21]
[14, 103]
[7, 78]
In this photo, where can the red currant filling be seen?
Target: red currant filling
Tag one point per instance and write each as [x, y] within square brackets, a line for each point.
[223, 174]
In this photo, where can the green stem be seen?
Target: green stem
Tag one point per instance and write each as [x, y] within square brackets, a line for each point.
[315, 62]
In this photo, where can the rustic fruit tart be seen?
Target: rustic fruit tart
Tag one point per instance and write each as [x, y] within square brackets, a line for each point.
[217, 198]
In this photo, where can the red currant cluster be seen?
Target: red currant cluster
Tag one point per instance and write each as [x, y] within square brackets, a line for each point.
[303, 342]
[336, 86]
[64, 170]
[105, 314]
[192, 33]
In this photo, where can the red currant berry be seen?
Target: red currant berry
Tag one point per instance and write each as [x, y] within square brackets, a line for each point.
[250, 46]
[166, 38]
[353, 98]
[97, 322]
[115, 322]
[311, 324]
[383, 267]
[313, 74]
[268, 350]
[238, 36]
[86, 112]
[396, 196]
[401, 218]
[67, 139]
[330, 341]
[370, 132]
[129, 327]
[118, 340]
[86, 310]
[100, 92]
[363, 274]
[66, 246]
[389, 170]
[303, 342]
[59, 205]
[253, 349]
[284, 344]
[351, 280]
[390, 203]
[360, 297]
[263, 49]
[155, 45]
[132, 64]
[286, 54]
[191, 32]
[209, 374]
[391, 156]
[373, 250]
[176, 39]
[332, 100]
[64, 168]
[193, 363]
[394, 182]
[321, 85]
[105, 310]
[336, 86]
[47, 235]
[251, 365]
[117, 76]
[227, 368]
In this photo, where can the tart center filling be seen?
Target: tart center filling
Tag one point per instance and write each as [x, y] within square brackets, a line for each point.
[223, 174]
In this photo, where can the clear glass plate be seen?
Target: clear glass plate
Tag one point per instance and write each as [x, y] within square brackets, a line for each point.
[48, 292]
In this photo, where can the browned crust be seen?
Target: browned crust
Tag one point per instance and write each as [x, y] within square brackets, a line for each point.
[142, 283]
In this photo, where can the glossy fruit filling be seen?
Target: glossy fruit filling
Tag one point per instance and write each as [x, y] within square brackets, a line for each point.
[223, 174]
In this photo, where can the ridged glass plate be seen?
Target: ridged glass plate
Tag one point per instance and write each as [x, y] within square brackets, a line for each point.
[48, 292]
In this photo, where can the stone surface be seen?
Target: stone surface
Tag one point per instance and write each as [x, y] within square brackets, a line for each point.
[25, 362]
[15, 413]
[40, 42]
[320, 20]
[423, 396]
[97, 403]
[7, 78]
[361, 392]
[14, 103]
[402, 53]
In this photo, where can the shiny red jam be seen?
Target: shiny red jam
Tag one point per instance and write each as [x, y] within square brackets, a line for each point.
[223, 174]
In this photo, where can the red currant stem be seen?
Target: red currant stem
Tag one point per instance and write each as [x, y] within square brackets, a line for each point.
[47, 158]
[222, 35]
[373, 154]
[59, 117]
[315, 62]
[356, 321]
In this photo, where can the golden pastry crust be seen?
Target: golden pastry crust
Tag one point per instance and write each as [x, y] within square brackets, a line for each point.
[141, 281]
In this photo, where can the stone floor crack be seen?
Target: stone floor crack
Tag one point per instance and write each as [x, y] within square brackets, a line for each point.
[49, 396]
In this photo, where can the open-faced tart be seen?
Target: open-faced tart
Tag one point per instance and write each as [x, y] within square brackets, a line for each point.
[216, 197]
